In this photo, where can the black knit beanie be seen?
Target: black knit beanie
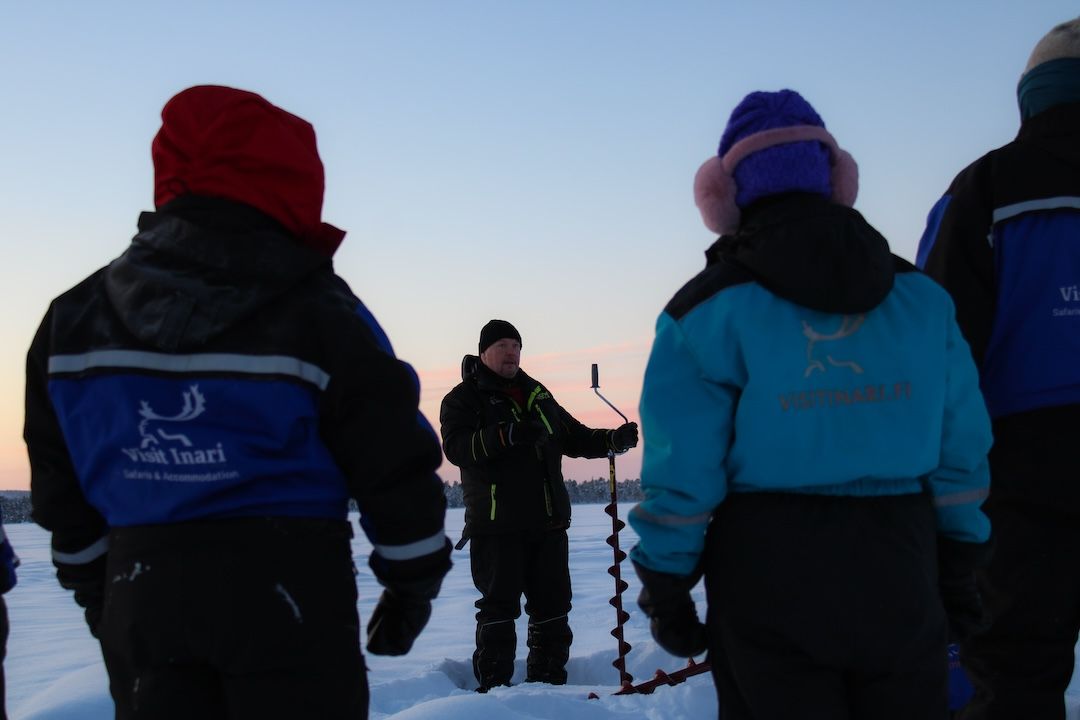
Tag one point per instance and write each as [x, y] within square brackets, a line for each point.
[496, 330]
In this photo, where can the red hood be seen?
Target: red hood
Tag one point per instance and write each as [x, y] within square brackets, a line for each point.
[222, 142]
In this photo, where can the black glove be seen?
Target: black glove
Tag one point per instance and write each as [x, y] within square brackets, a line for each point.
[957, 563]
[527, 432]
[401, 613]
[673, 619]
[92, 599]
[88, 582]
[8, 562]
[624, 437]
[395, 623]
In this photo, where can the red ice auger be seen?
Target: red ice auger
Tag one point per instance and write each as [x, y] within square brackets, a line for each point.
[612, 509]
[626, 680]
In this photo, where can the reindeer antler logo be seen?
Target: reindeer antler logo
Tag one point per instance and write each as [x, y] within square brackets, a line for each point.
[848, 327]
[194, 405]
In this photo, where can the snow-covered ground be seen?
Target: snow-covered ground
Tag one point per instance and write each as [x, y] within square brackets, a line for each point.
[54, 669]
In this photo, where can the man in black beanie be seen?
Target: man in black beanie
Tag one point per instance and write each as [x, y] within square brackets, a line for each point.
[508, 435]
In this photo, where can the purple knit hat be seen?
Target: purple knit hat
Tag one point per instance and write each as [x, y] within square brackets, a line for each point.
[801, 166]
[774, 142]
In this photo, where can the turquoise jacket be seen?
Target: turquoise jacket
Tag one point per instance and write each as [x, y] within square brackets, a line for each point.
[806, 358]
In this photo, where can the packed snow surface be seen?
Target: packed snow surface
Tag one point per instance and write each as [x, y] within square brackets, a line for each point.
[54, 669]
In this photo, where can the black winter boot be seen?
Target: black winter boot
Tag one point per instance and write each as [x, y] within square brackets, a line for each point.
[493, 659]
[549, 649]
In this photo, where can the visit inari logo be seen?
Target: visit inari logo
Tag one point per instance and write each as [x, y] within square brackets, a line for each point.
[194, 405]
[1069, 294]
[848, 327]
[164, 443]
[822, 354]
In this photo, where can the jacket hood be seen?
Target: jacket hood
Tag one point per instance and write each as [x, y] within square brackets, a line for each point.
[469, 363]
[812, 252]
[1054, 131]
[223, 142]
[183, 282]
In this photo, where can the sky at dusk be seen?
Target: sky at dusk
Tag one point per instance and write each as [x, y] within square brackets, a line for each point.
[530, 161]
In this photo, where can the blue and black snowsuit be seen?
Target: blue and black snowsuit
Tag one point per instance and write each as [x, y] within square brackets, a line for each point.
[198, 414]
[1004, 240]
[813, 425]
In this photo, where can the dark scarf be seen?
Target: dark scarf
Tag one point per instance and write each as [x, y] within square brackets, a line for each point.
[1054, 82]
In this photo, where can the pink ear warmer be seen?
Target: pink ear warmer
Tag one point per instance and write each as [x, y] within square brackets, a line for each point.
[714, 183]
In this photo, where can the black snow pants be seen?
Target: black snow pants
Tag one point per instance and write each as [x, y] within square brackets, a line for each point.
[504, 566]
[1021, 665]
[242, 618]
[826, 608]
[3, 654]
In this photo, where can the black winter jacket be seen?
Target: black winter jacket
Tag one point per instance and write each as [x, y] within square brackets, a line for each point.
[1003, 242]
[509, 487]
[290, 399]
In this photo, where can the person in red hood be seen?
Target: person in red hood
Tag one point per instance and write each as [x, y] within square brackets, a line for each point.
[227, 143]
[200, 411]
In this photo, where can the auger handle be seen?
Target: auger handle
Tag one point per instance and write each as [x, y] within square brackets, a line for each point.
[596, 389]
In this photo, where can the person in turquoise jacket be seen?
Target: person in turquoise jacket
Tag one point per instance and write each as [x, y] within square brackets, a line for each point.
[815, 444]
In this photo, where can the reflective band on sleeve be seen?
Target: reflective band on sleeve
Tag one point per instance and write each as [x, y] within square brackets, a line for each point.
[1054, 203]
[670, 520]
[961, 498]
[416, 549]
[207, 362]
[543, 417]
[85, 556]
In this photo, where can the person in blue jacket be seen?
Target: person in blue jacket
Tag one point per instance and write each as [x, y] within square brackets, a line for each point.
[815, 444]
[1003, 241]
[8, 562]
[199, 413]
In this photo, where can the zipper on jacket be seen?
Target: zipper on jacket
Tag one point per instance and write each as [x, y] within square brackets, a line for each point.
[547, 498]
[539, 411]
[493, 501]
[544, 418]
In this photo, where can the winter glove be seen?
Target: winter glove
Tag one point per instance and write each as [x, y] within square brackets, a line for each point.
[673, 619]
[92, 599]
[531, 432]
[8, 562]
[957, 563]
[401, 613]
[395, 623]
[624, 437]
[88, 582]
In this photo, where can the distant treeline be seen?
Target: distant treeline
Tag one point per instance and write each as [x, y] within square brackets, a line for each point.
[16, 503]
[596, 490]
